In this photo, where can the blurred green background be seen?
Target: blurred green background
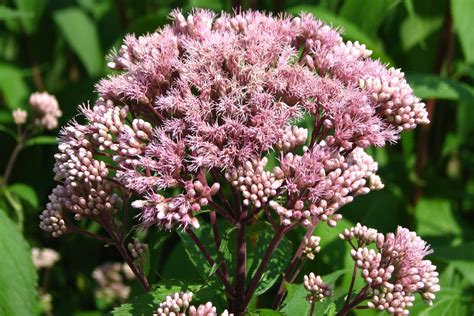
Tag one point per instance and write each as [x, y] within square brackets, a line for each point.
[60, 46]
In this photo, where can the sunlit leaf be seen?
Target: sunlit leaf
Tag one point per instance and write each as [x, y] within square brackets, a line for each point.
[279, 260]
[462, 19]
[81, 34]
[17, 274]
[32, 11]
[25, 192]
[424, 26]
[431, 86]
[42, 140]
[435, 218]
[13, 86]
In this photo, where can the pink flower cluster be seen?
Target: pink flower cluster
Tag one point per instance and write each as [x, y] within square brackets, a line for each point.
[212, 97]
[179, 304]
[46, 109]
[395, 270]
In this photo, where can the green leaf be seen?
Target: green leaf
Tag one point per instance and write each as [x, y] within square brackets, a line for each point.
[17, 274]
[224, 252]
[13, 86]
[33, 10]
[278, 262]
[97, 8]
[147, 303]
[430, 86]
[462, 19]
[435, 218]
[367, 14]
[350, 30]
[8, 131]
[7, 13]
[449, 301]
[41, 140]
[25, 192]
[461, 257]
[295, 302]
[424, 26]
[263, 312]
[195, 256]
[17, 207]
[81, 34]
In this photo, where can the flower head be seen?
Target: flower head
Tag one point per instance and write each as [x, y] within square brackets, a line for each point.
[19, 116]
[396, 269]
[214, 97]
[46, 109]
[44, 258]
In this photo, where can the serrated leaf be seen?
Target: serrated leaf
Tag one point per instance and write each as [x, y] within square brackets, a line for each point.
[25, 192]
[295, 302]
[462, 19]
[147, 303]
[278, 262]
[41, 140]
[430, 86]
[81, 34]
[195, 256]
[461, 257]
[224, 252]
[17, 274]
[33, 10]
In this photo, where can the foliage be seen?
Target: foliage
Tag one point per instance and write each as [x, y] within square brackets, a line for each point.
[60, 46]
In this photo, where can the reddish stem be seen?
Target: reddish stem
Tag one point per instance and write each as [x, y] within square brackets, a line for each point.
[290, 273]
[263, 264]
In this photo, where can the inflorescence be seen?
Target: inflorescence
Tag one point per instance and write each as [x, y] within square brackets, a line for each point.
[395, 269]
[214, 95]
[278, 111]
[179, 304]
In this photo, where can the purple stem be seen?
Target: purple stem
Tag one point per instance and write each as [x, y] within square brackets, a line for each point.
[202, 248]
[263, 264]
[351, 286]
[289, 273]
[241, 269]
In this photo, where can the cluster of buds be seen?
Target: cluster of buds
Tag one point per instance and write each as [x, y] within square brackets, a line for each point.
[395, 270]
[256, 184]
[46, 109]
[318, 290]
[44, 257]
[362, 234]
[293, 137]
[167, 212]
[288, 215]
[311, 246]
[325, 181]
[19, 116]
[137, 249]
[111, 278]
[400, 106]
[178, 304]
